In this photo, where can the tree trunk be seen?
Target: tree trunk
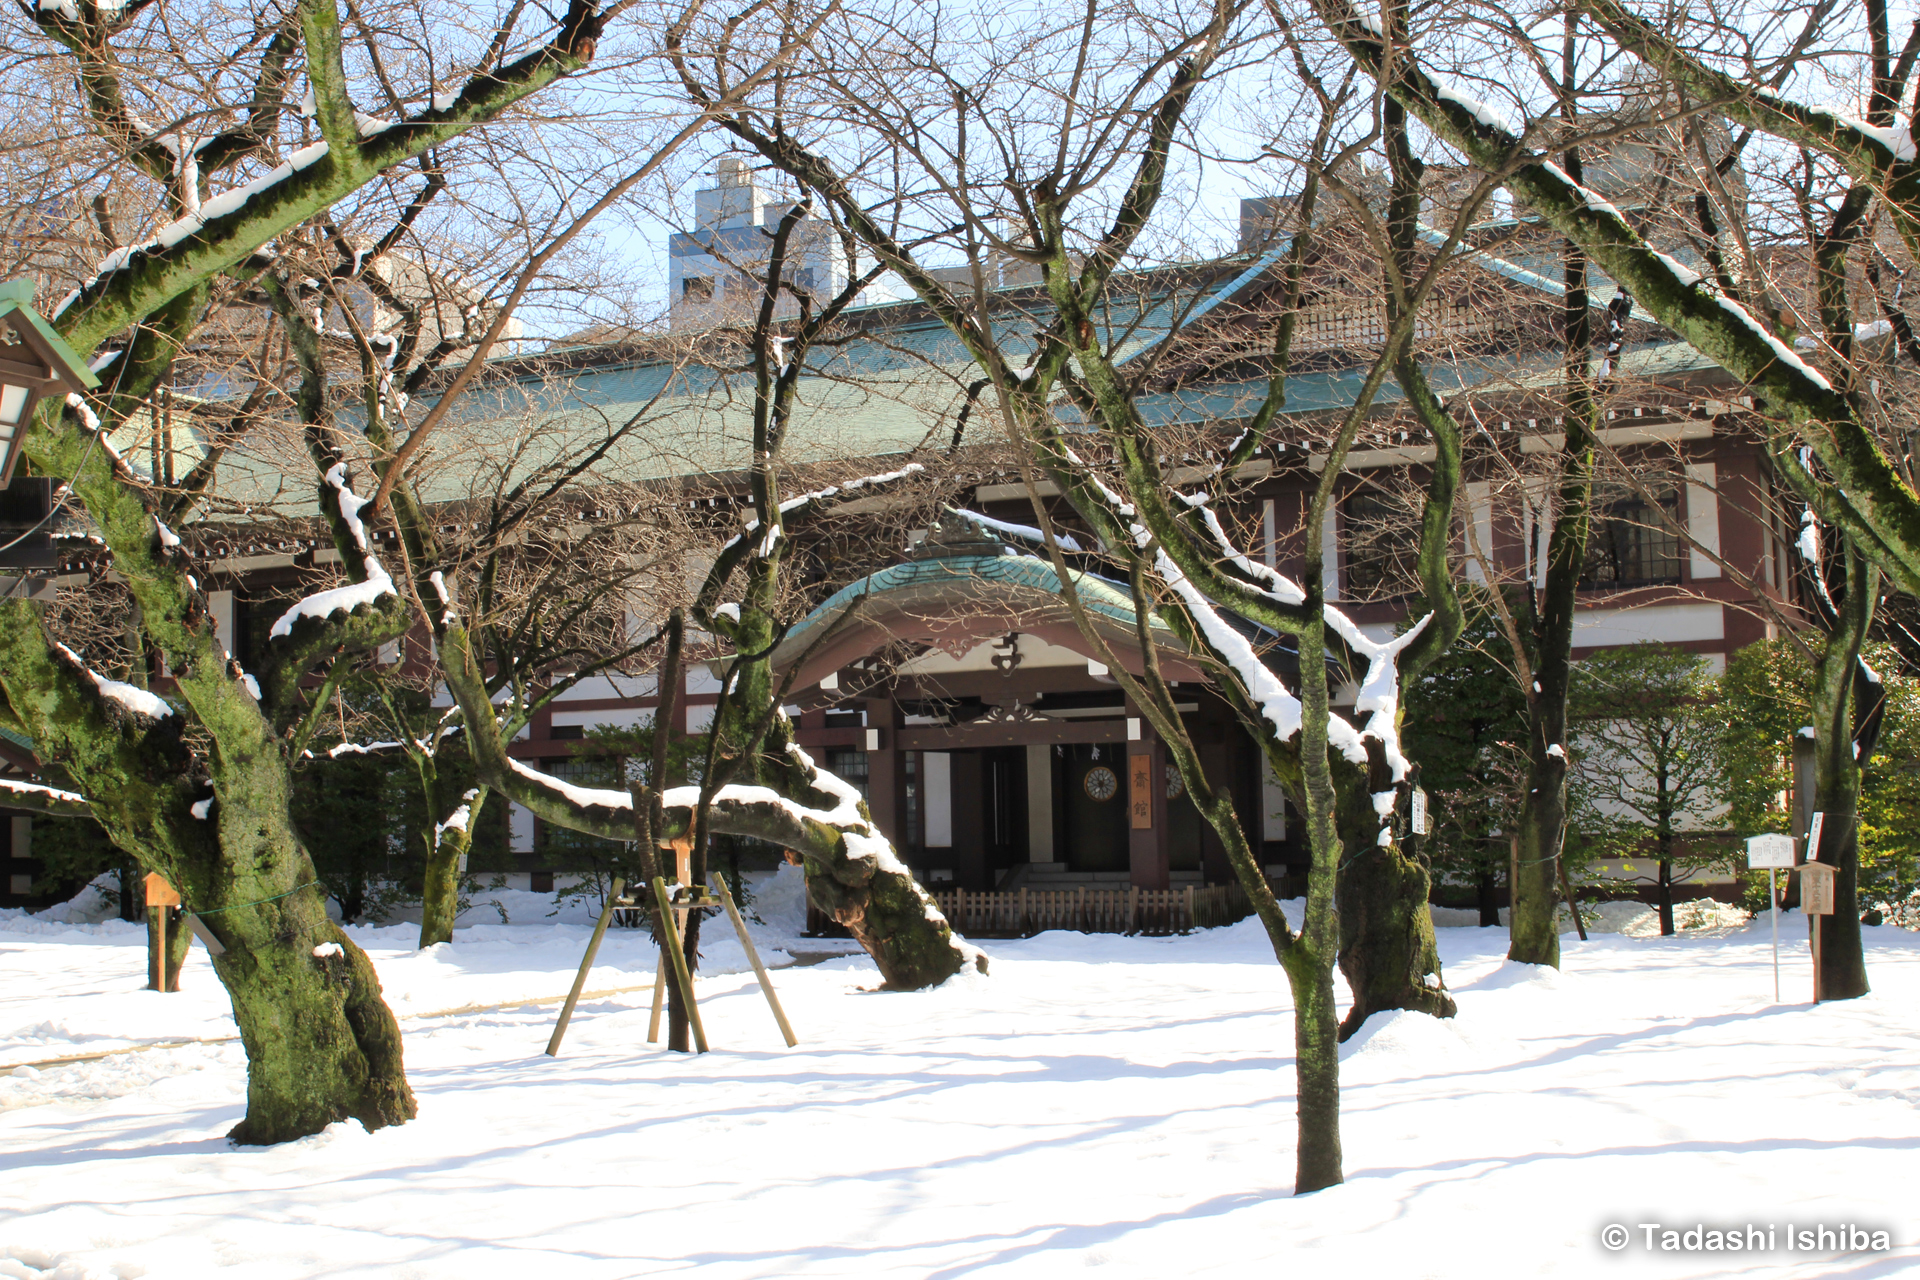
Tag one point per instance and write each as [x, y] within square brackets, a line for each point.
[440, 887]
[1316, 1046]
[440, 891]
[1664, 896]
[1310, 960]
[1843, 967]
[1535, 888]
[1387, 949]
[321, 1044]
[679, 1024]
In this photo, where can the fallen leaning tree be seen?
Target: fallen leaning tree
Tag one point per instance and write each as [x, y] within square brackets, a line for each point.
[851, 864]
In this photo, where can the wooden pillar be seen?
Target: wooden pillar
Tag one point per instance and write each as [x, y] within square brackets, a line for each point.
[970, 819]
[884, 779]
[1146, 791]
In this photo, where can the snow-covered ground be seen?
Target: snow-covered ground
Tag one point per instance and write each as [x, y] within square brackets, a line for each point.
[1120, 1104]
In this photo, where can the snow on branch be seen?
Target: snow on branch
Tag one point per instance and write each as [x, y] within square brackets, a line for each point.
[1479, 110]
[1027, 532]
[844, 816]
[131, 697]
[323, 604]
[1280, 708]
[10, 786]
[1379, 694]
[578, 797]
[458, 819]
[818, 495]
[1279, 587]
[227, 202]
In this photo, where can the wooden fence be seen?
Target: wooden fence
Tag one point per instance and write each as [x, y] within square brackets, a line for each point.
[1019, 913]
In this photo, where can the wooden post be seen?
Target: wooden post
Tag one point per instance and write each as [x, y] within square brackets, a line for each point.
[1133, 908]
[753, 958]
[960, 908]
[1021, 926]
[659, 998]
[1818, 929]
[1189, 906]
[156, 948]
[586, 963]
[678, 952]
[161, 897]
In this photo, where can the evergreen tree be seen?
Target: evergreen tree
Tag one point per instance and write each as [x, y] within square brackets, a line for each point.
[1467, 728]
[1645, 738]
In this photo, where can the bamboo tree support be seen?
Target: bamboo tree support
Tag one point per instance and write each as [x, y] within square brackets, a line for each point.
[586, 963]
[753, 958]
[660, 989]
[678, 953]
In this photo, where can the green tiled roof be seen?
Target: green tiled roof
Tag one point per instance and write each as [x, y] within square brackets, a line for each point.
[1007, 571]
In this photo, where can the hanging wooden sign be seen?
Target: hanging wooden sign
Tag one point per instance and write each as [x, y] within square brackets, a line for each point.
[1140, 791]
[1419, 812]
[1816, 888]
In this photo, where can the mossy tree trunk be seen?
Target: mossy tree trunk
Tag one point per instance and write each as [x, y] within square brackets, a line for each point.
[446, 864]
[321, 1045]
[1848, 703]
[1388, 952]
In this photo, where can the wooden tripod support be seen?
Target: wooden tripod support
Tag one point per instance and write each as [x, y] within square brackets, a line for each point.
[671, 918]
[586, 963]
[753, 958]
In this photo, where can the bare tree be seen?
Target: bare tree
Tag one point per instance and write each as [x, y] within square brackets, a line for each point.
[1051, 152]
[1838, 178]
[196, 786]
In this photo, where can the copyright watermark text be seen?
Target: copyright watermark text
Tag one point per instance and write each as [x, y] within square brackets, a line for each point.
[1745, 1237]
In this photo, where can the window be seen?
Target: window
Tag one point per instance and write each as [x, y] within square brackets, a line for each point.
[602, 772]
[696, 288]
[910, 819]
[850, 766]
[1383, 546]
[568, 733]
[1628, 544]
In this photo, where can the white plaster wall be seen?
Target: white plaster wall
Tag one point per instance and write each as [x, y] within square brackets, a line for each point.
[1039, 802]
[937, 770]
[1669, 623]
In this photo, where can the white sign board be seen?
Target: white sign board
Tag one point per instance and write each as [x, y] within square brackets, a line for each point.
[1769, 851]
[1419, 812]
[1813, 836]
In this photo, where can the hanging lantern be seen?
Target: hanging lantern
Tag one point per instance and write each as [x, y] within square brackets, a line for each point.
[35, 361]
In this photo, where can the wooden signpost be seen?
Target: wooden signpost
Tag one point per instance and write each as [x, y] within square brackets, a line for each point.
[1816, 900]
[1775, 853]
[162, 898]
